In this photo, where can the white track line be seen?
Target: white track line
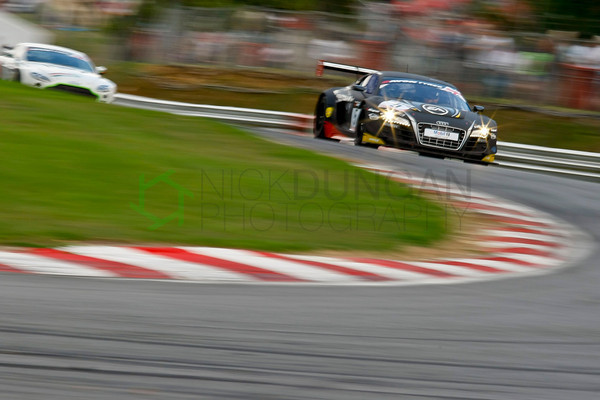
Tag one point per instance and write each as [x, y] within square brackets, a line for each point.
[175, 268]
[502, 265]
[43, 265]
[386, 272]
[491, 245]
[295, 269]
[539, 261]
[492, 233]
[452, 269]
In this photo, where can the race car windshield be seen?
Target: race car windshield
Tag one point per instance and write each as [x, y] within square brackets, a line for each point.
[59, 58]
[422, 92]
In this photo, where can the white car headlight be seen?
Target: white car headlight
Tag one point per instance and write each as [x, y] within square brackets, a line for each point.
[393, 117]
[482, 131]
[103, 88]
[39, 77]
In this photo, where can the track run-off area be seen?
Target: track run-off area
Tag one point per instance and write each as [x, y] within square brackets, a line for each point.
[516, 240]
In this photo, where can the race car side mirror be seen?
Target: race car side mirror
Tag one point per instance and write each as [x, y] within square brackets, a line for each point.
[101, 70]
[359, 88]
[478, 108]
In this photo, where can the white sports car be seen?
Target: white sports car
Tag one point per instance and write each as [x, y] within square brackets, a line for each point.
[47, 66]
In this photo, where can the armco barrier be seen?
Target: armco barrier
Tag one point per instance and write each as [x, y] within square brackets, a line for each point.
[232, 114]
[510, 155]
[549, 159]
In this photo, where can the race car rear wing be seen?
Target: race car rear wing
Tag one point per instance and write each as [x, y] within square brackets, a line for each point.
[323, 65]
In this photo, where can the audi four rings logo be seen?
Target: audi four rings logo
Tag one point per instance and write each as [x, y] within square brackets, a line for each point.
[444, 123]
[437, 110]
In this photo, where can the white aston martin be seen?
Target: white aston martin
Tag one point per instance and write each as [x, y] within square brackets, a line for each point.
[47, 66]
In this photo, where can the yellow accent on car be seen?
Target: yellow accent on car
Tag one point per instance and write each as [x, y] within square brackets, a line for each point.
[372, 139]
[328, 111]
[489, 158]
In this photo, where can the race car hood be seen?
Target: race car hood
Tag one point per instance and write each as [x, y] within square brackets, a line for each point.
[413, 107]
[69, 76]
[436, 115]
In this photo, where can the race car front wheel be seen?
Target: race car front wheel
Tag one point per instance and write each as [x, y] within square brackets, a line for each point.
[319, 127]
[360, 129]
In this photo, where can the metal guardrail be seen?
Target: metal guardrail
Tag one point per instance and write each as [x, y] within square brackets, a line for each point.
[231, 114]
[548, 159]
[510, 155]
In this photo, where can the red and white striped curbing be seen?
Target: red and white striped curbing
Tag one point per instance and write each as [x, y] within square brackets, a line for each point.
[519, 241]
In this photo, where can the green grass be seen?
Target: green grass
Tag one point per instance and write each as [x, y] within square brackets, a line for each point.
[71, 171]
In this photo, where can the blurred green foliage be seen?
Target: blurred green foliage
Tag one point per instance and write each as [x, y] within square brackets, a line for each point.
[149, 7]
[334, 6]
[531, 15]
[541, 15]
[581, 16]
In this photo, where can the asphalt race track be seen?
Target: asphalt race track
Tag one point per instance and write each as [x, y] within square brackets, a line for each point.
[525, 338]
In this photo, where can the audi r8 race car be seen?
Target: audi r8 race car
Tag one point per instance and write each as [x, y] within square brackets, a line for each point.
[405, 111]
[47, 66]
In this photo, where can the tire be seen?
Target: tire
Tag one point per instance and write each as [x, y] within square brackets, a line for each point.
[319, 124]
[360, 129]
[17, 77]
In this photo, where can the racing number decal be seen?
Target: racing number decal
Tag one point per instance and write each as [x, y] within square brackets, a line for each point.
[354, 119]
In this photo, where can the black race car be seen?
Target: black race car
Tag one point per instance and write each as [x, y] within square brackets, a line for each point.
[405, 111]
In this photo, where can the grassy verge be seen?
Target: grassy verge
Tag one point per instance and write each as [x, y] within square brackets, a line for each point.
[74, 170]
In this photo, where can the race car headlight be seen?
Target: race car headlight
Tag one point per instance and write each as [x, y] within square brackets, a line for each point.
[393, 117]
[103, 88]
[39, 77]
[389, 115]
[483, 131]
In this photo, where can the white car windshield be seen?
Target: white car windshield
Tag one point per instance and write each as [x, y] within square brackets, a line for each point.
[59, 58]
[422, 92]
